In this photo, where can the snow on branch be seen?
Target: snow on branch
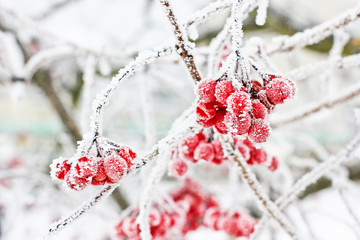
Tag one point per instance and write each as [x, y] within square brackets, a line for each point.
[43, 57]
[103, 98]
[316, 107]
[309, 178]
[250, 179]
[342, 63]
[315, 34]
[183, 47]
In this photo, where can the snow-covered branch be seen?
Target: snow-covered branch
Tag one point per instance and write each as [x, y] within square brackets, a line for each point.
[315, 34]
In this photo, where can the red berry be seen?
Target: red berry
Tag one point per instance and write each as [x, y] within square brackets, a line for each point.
[223, 90]
[219, 121]
[238, 103]
[190, 143]
[256, 85]
[264, 100]
[179, 168]
[205, 111]
[204, 151]
[97, 183]
[259, 131]
[86, 166]
[237, 124]
[279, 90]
[258, 109]
[274, 164]
[61, 169]
[100, 174]
[115, 167]
[208, 123]
[218, 152]
[206, 90]
[75, 182]
[127, 154]
[257, 156]
[244, 150]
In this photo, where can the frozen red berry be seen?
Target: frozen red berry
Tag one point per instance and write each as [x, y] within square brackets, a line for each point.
[259, 131]
[274, 164]
[279, 90]
[100, 174]
[207, 123]
[206, 90]
[204, 151]
[75, 182]
[219, 121]
[258, 156]
[115, 167]
[206, 111]
[86, 166]
[244, 150]
[237, 124]
[61, 169]
[223, 90]
[258, 109]
[256, 85]
[238, 103]
[189, 144]
[127, 154]
[97, 183]
[179, 168]
[218, 152]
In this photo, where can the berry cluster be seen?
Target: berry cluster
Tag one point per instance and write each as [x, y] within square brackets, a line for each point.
[194, 208]
[241, 111]
[95, 170]
[200, 148]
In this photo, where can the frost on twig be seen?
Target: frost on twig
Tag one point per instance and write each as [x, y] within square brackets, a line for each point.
[44, 57]
[250, 179]
[311, 177]
[302, 73]
[316, 107]
[261, 12]
[315, 34]
[182, 46]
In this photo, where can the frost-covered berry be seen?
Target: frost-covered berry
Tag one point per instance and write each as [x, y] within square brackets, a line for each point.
[115, 167]
[75, 182]
[204, 151]
[274, 164]
[258, 109]
[259, 131]
[257, 156]
[60, 168]
[97, 183]
[244, 150]
[279, 90]
[86, 166]
[238, 103]
[179, 168]
[256, 85]
[237, 124]
[223, 90]
[218, 152]
[127, 154]
[207, 123]
[205, 111]
[219, 121]
[206, 90]
[100, 174]
[189, 144]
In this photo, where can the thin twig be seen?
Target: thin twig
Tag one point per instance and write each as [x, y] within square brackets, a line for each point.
[182, 44]
[315, 34]
[250, 179]
[314, 108]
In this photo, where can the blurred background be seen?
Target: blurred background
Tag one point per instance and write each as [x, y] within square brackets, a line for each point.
[43, 116]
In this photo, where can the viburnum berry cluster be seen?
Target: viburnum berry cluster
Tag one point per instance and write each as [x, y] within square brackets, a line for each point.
[191, 208]
[109, 167]
[202, 148]
[244, 110]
